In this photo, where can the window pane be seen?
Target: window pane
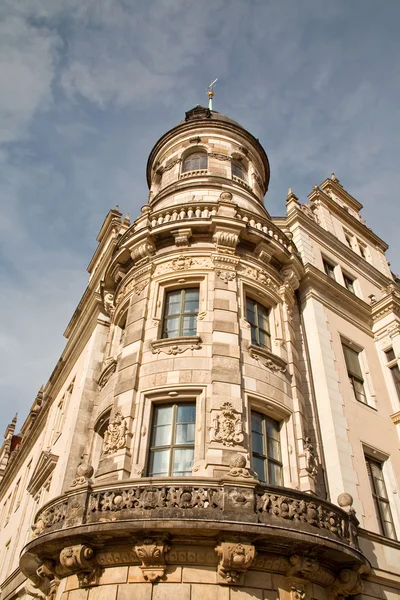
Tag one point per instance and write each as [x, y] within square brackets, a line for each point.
[250, 312]
[186, 413]
[189, 325]
[256, 422]
[258, 467]
[254, 335]
[185, 433]
[191, 301]
[352, 361]
[173, 303]
[161, 435]
[263, 322]
[359, 390]
[274, 449]
[171, 327]
[183, 461]
[163, 415]
[257, 443]
[273, 429]
[274, 474]
[265, 339]
[159, 463]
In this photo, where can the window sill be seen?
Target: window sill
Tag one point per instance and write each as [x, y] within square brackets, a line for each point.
[367, 405]
[177, 345]
[271, 361]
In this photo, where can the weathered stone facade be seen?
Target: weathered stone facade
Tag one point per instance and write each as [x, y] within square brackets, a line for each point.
[207, 304]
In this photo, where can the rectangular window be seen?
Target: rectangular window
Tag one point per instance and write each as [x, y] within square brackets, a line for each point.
[349, 283]
[363, 250]
[380, 497]
[355, 374]
[329, 269]
[394, 369]
[348, 240]
[172, 440]
[258, 317]
[180, 313]
[266, 448]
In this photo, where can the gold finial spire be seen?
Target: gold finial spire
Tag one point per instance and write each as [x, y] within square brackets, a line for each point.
[210, 93]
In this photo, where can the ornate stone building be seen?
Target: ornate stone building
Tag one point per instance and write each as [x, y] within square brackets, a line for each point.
[224, 421]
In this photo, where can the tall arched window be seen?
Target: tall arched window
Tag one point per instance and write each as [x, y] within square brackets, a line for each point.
[238, 170]
[195, 162]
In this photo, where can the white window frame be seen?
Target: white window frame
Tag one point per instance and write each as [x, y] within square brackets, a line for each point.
[367, 380]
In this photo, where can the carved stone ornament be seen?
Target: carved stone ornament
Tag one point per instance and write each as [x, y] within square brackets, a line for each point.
[47, 581]
[238, 467]
[143, 250]
[182, 236]
[302, 566]
[108, 303]
[84, 472]
[220, 156]
[268, 359]
[115, 436]
[225, 262]
[175, 346]
[181, 263]
[152, 555]
[226, 241]
[110, 365]
[298, 590]
[226, 276]
[347, 583]
[290, 278]
[227, 427]
[80, 560]
[234, 560]
[311, 457]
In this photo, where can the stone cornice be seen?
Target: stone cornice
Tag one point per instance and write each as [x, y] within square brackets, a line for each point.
[316, 284]
[341, 193]
[386, 305]
[329, 241]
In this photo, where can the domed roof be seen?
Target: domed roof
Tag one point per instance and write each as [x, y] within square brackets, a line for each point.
[201, 112]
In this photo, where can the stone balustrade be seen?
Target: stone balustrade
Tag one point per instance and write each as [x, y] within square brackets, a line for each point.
[259, 505]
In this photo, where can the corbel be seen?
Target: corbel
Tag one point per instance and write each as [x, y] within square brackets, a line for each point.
[151, 552]
[182, 236]
[234, 560]
[79, 560]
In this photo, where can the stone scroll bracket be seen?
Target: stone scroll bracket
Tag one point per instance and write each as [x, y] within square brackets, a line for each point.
[151, 552]
[43, 581]
[79, 560]
[234, 559]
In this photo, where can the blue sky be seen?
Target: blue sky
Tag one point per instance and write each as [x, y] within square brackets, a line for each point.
[86, 89]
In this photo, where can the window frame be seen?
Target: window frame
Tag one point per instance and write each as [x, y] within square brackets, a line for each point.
[265, 456]
[349, 283]
[255, 326]
[392, 365]
[202, 154]
[328, 266]
[238, 164]
[181, 315]
[353, 376]
[378, 499]
[172, 446]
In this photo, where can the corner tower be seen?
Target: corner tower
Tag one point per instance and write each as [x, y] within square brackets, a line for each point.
[201, 471]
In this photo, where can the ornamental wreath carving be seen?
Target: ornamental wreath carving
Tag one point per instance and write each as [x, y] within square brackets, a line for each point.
[227, 426]
[115, 436]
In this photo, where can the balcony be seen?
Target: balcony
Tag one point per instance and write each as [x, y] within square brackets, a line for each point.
[281, 519]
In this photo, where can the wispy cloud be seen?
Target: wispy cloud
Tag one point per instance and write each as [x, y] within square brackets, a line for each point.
[88, 87]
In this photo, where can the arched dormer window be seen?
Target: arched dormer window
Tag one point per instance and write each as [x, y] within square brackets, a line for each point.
[195, 162]
[238, 170]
